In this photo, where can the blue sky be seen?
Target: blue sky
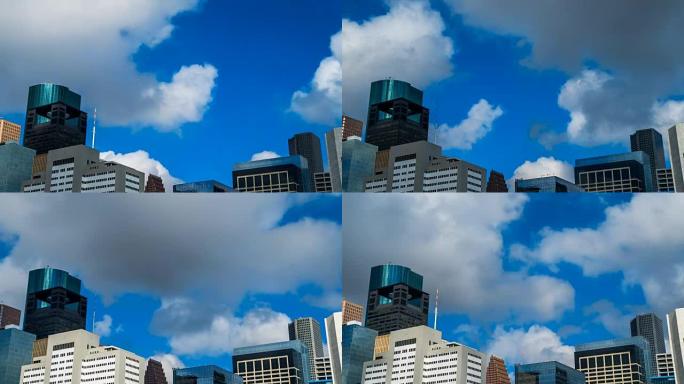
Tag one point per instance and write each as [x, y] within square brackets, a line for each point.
[524, 277]
[520, 58]
[243, 279]
[262, 52]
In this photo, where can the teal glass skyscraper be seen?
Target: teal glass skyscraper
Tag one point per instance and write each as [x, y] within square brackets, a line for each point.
[16, 348]
[358, 344]
[549, 372]
[16, 163]
[206, 374]
[358, 163]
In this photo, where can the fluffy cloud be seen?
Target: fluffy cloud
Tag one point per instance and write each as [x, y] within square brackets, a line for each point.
[226, 332]
[481, 117]
[13, 282]
[428, 234]
[567, 35]
[613, 319]
[640, 239]
[141, 161]
[96, 59]
[406, 43]
[263, 155]
[168, 362]
[104, 327]
[543, 166]
[537, 343]
[102, 243]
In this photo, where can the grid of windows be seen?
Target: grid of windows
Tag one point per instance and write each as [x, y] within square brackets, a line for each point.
[266, 182]
[610, 180]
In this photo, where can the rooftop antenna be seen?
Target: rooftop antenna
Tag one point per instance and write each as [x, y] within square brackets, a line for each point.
[436, 308]
[93, 328]
[94, 127]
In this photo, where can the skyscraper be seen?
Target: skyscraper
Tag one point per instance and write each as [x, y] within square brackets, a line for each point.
[549, 372]
[650, 327]
[395, 114]
[649, 141]
[281, 174]
[351, 127]
[496, 371]
[9, 131]
[614, 361]
[16, 164]
[54, 303]
[9, 316]
[333, 335]
[307, 145]
[358, 344]
[395, 299]
[676, 138]
[675, 328]
[15, 351]
[333, 145]
[497, 182]
[624, 172]
[285, 362]
[53, 119]
[154, 374]
[546, 184]
[358, 163]
[206, 374]
[351, 312]
[154, 184]
[308, 331]
[205, 186]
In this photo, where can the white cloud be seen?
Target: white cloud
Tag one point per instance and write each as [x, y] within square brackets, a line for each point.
[613, 319]
[481, 117]
[453, 257]
[322, 102]
[13, 282]
[140, 160]
[640, 239]
[544, 166]
[226, 332]
[104, 327]
[263, 155]
[97, 62]
[668, 113]
[537, 343]
[169, 362]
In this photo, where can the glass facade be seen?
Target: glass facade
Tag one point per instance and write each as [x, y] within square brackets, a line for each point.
[46, 278]
[546, 184]
[390, 274]
[358, 344]
[207, 186]
[550, 372]
[16, 348]
[601, 360]
[44, 94]
[390, 89]
[16, 164]
[207, 374]
[358, 163]
[281, 174]
[283, 362]
[625, 172]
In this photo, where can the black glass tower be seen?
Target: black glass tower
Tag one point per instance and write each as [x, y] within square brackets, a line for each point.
[54, 303]
[395, 299]
[307, 145]
[396, 114]
[54, 118]
[650, 327]
[649, 141]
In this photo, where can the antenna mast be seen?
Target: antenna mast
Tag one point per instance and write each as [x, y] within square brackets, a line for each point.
[94, 127]
[436, 307]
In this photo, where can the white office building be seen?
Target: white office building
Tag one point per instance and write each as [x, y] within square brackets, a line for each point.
[676, 139]
[675, 327]
[418, 355]
[333, 334]
[77, 357]
[664, 365]
[333, 145]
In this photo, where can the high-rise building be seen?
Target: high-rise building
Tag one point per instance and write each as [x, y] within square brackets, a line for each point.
[664, 373]
[650, 327]
[546, 184]
[307, 145]
[664, 180]
[15, 351]
[496, 371]
[79, 169]
[9, 316]
[308, 331]
[496, 182]
[625, 172]
[54, 303]
[351, 127]
[281, 174]
[206, 374]
[675, 328]
[154, 373]
[9, 131]
[395, 114]
[420, 167]
[16, 164]
[154, 184]
[333, 145]
[650, 142]
[323, 369]
[351, 312]
[358, 163]
[676, 138]
[358, 344]
[77, 357]
[614, 361]
[54, 118]
[395, 299]
[549, 372]
[206, 186]
[333, 335]
[285, 362]
[418, 355]
[322, 182]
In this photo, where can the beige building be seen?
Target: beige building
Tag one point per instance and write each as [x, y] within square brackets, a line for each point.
[9, 131]
[351, 312]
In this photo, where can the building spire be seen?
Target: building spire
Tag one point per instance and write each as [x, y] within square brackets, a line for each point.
[94, 127]
[436, 308]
